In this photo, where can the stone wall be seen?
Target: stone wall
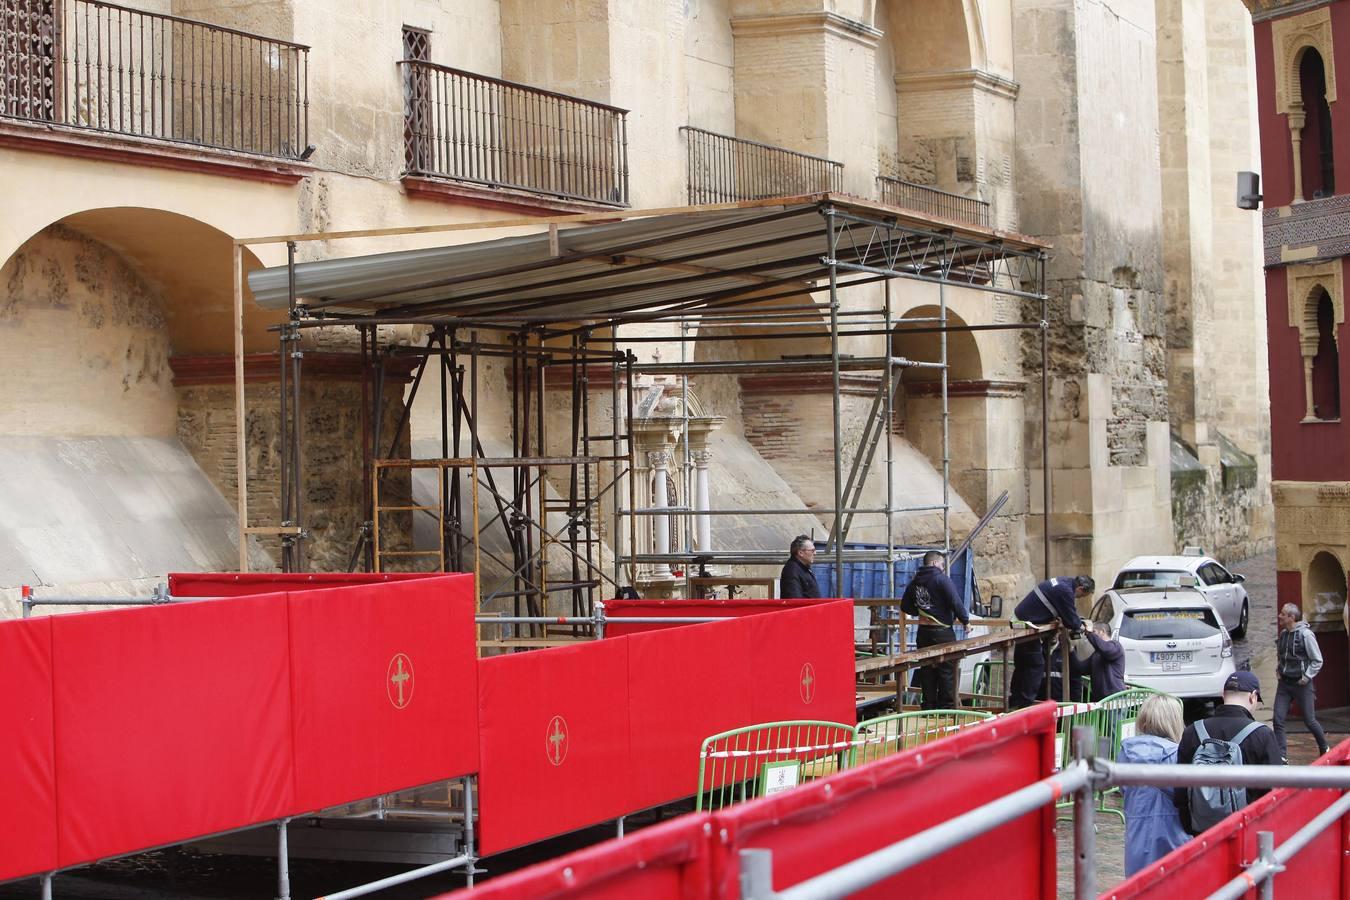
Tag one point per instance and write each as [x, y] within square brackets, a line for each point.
[334, 505]
[710, 54]
[1312, 518]
[83, 337]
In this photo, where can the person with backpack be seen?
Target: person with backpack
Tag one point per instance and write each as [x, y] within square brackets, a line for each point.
[1299, 661]
[1229, 737]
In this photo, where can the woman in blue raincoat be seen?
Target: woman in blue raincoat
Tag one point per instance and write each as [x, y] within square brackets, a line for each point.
[1152, 824]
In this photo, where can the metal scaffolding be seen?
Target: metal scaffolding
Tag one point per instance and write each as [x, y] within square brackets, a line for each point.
[552, 308]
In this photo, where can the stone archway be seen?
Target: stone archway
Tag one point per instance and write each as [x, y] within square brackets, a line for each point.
[1324, 589]
[98, 303]
[95, 410]
[918, 407]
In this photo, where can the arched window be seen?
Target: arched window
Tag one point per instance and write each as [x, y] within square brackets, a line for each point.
[1326, 365]
[1315, 151]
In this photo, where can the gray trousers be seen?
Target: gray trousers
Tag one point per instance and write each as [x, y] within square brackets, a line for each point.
[1285, 695]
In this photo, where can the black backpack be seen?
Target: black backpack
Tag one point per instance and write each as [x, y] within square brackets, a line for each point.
[1211, 805]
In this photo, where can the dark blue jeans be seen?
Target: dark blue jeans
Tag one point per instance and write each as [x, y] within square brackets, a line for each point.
[1285, 694]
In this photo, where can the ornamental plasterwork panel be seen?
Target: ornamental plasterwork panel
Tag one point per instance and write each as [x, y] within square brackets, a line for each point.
[1291, 35]
[1302, 282]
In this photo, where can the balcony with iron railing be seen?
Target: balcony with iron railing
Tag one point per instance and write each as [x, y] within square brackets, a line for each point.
[498, 134]
[724, 169]
[930, 201]
[100, 67]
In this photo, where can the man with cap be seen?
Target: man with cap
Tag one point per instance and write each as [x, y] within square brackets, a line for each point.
[1241, 695]
[1055, 599]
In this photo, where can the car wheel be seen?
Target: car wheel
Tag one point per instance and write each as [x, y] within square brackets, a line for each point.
[1241, 630]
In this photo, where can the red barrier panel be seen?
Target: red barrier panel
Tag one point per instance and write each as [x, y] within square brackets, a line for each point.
[1206, 863]
[171, 722]
[664, 862]
[554, 742]
[384, 688]
[731, 609]
[243, 584]
[802, 661]
[28, 777]
[835, 820]
[684, 684]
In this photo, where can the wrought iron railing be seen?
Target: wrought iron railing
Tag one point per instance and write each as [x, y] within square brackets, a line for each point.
[725, 169]
[108, 68]
[484, 130]
[932, 202]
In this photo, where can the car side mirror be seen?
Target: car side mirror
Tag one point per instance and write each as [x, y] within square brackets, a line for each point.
[990, 609]
[1238, 579]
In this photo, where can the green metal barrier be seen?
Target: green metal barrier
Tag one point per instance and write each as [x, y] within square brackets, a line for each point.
[1114, 718]
[762, 759]
[986, 684]
[883, 736]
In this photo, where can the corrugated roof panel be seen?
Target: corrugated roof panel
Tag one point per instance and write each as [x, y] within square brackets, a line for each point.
[600, 269]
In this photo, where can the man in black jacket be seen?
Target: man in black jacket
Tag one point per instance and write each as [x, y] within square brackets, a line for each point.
[1056, 599]
[1241, 695]
[931, 596]
[796, 579]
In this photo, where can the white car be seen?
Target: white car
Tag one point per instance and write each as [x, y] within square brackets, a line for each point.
[1172, 639]
[1220, 587]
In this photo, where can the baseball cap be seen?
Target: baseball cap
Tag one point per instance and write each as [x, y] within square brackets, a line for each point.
[1243, 683]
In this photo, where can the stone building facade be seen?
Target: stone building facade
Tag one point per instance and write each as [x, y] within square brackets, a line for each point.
[1110, 130]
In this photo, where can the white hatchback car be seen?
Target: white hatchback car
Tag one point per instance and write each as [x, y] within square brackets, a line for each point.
[1172, 639]
[1220, 587]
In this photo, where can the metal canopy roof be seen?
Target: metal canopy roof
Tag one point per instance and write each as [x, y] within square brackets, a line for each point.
[641, 266]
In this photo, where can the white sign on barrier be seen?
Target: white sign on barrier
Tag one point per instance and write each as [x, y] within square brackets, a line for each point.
[777, 777]
[1059, 751]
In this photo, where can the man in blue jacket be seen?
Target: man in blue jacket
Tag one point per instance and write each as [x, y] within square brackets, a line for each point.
[1056, 599]
[933, 599]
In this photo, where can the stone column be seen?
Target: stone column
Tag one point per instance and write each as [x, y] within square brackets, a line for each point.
[1309, 412]
[659, 460]
[702, 503]
[1296, 136]
[699, 454]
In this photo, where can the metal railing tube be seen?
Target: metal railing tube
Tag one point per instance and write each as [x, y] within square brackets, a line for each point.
[1135, 774]
[888, 861]
[1084, 822]
[1265, 868]
[283, 862]
[401, 878]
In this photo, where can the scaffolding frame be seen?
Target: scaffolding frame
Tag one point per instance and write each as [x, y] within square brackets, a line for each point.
[578, 331]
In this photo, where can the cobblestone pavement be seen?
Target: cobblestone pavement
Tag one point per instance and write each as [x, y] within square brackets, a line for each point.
[1257, 652]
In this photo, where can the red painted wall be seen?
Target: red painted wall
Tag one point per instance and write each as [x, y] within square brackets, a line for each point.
[1333, 682]
[1277, 165]
[1299, 451]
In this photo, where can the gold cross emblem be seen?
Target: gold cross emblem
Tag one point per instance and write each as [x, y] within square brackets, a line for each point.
[399, 686]
[555, 743]
[808, 683]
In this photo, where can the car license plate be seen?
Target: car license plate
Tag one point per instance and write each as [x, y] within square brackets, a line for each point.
[1175, 657]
